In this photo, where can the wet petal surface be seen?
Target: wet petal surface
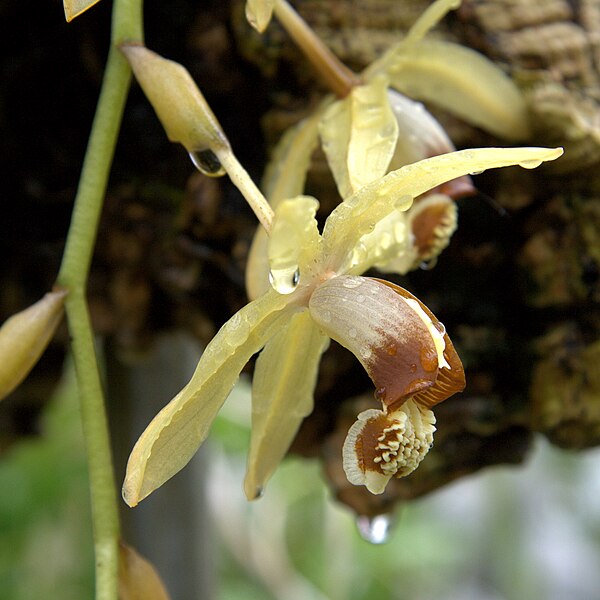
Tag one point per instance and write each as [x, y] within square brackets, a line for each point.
[282, 396]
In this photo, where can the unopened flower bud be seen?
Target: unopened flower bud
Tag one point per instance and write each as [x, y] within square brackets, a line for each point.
[179, 104]
[24, 337]
[138, 578]
[73, 8]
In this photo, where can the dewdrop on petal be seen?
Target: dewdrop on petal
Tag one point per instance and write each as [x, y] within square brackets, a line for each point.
[180, 106]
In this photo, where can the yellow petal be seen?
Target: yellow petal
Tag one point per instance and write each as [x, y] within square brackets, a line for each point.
[465, 83]
[360, 213]
[389, 247]
[24, 337]
[359, 136]
[284, 178]
[425, 23]
[259, 13]
[138, 579]
[175, 434]
[282, 396]
[295, 242]
[73, 8]
[179, 104]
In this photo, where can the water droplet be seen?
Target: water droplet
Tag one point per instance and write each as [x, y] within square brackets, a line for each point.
[207, 163]
[530, 164]
[441, 327]
[352, 282]
[376, 530]
[366, 353]
[392, 350]
[326, 316]
[477, 172]
[284, 281]
[427, 265]
[360, 298]
[403, 202]
[385, 240]
[352, 332]
[413, 368]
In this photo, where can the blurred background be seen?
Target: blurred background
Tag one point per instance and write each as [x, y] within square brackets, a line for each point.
[507, 533]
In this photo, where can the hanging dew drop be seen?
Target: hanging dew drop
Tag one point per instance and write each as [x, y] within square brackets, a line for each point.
[376, 530]
[284, 280]
[427, 265]
[530, 164]
[207, 163]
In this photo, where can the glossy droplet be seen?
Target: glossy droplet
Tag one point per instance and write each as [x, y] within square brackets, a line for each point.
[477, 172]
[285, 280]
[403, 202]
[376, 530]
[530, 164]
[207, 163]
[352, 282]
[427, 265]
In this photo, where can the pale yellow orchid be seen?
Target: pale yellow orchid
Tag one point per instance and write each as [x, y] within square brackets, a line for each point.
[317, 293]
[375, 128]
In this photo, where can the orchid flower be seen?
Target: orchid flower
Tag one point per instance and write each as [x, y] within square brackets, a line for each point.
[375, 128]
[318, 293]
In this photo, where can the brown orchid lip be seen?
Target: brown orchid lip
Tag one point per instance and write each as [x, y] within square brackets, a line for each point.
[382, 330]
[432, 226]
[385, 444]
[450, 380]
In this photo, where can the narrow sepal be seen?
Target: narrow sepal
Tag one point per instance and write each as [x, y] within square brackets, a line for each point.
[465, 83]
[282, 396]
[360, 213]
[174, 435]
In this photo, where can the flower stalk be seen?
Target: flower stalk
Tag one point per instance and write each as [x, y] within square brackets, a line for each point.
[339, 78]
[73, 275]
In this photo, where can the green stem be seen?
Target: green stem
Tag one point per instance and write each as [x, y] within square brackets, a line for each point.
[73, 275]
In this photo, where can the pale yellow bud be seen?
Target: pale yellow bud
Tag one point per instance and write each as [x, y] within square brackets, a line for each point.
[138, 579]
[73, 8]
[179, 104]
[24, 337]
